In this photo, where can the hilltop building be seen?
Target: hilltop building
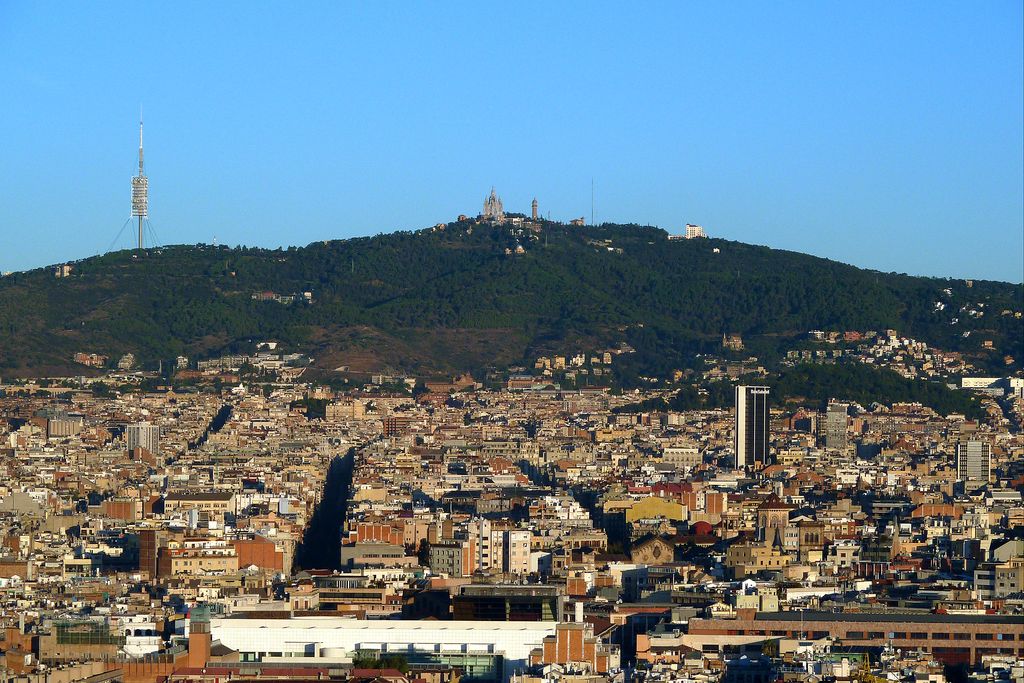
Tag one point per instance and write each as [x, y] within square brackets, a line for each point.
[494, 210]
[694, 231]
[732, 341]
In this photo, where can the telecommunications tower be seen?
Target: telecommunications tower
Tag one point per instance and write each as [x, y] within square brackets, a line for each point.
[140, 190]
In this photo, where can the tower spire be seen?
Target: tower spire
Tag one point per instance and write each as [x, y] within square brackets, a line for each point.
[141, 173]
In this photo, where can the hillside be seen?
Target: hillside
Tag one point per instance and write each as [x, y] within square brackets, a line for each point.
[439, 301]
[813, 386]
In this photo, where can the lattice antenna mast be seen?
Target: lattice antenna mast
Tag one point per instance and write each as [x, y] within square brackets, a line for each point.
[140, 189]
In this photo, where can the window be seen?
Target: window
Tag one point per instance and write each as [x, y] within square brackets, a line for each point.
[983, 636]
[940, 636]
[919, 635]
[858, 635]
[960, 635]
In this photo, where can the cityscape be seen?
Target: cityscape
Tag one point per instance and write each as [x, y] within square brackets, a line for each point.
[533, 440]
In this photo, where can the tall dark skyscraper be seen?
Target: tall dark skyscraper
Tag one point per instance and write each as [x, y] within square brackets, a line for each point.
[751, 434]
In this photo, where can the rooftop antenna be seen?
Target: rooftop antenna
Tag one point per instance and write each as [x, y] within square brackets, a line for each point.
[591, 198]
[140, 188]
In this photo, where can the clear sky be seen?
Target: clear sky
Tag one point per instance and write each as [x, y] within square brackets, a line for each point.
[883, 134]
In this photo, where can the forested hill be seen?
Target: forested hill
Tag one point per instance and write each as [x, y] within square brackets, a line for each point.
[451, 299]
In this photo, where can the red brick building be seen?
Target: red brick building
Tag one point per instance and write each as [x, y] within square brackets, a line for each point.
[950, 638]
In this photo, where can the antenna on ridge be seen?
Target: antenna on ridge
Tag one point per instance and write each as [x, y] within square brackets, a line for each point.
[141, 172]
[140, 188]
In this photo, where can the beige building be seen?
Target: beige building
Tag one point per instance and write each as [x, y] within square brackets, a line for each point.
[682, 457]
[199, 556]
[214, 503]
[746, 559]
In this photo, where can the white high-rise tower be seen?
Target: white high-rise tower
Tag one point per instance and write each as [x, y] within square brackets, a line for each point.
[143, 435]
[974, 461]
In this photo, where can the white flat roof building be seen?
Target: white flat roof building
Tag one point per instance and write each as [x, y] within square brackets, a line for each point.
[694, 231]
[304, 640]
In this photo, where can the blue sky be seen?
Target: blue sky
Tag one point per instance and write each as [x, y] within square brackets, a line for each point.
[887, 135]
